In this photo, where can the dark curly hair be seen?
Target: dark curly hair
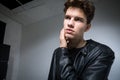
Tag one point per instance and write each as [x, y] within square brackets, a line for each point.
[86, 5]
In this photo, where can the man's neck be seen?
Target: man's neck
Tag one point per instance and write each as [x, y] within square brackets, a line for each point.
[77, 44]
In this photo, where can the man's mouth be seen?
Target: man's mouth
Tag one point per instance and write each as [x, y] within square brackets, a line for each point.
[69, 31]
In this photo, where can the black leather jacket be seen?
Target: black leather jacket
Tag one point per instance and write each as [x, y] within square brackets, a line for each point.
[93, 62]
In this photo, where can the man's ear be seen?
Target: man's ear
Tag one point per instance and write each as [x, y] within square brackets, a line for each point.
[88, 27]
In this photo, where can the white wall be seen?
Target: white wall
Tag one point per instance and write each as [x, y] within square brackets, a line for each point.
[41, 38]
[38, 42]
[12, 38]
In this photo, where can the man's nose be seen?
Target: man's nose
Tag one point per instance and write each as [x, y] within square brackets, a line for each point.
[71, 23]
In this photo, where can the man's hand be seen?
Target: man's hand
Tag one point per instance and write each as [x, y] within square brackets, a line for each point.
[63, 40]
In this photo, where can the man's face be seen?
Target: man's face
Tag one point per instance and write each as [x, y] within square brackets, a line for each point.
[75, 23]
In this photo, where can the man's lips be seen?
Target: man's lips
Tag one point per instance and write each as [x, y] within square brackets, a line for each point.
[69, 31]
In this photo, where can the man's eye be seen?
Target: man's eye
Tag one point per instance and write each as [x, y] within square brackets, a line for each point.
[79, 19]
[67, 17]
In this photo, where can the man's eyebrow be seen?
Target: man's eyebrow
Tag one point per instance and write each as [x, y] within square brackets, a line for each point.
[75, 16]
[79, 17]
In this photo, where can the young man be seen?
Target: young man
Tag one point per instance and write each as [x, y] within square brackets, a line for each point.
[77, 58]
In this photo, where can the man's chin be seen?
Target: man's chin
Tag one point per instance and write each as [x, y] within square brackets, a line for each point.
[69, 36]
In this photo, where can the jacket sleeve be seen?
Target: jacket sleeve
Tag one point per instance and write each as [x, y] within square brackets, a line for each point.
[66, 70]
[99, 69]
